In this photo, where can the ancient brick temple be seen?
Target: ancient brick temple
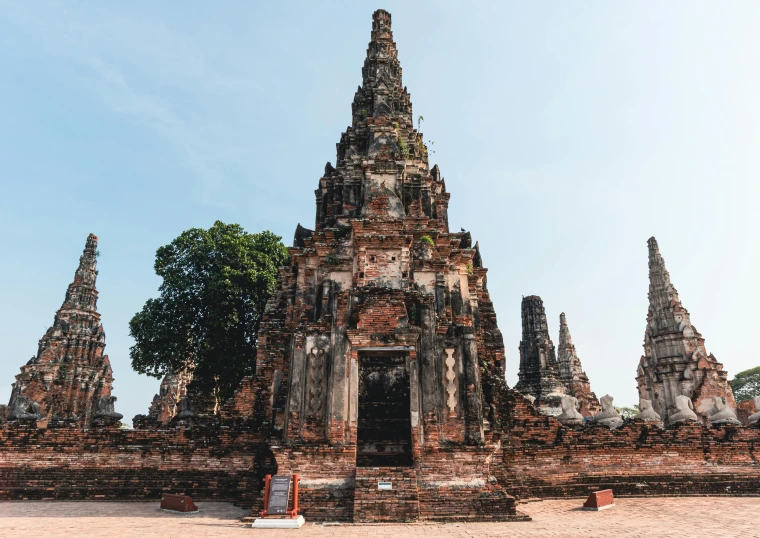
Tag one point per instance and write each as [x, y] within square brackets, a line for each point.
[539, 374]
[375, 342]
[675, 361]
[379, 360]
[70, 378]
[571, 372]
[171, 392]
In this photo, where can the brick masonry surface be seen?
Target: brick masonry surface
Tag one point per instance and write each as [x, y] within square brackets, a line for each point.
[543, 459]
[653, 518]
[538, 458]
[67, 463]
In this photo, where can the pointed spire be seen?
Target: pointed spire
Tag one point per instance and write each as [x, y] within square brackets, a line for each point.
[382, 92]
[381, 140]
[381, 26]
[571, 371]
[566, 355]
[81, 293]
[539, 368]
[675, 362]
[564, 332]
[569, 363]
[71, 354]
[662, 293]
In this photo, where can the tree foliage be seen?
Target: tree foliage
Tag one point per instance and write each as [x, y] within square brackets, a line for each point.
[216, 283]
[746, 384]
[628, 412]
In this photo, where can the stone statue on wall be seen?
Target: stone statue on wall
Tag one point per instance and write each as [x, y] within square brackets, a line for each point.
[647, 412]
[570, 415]
[608, 416]
[104, 408]
[755, 419]
[185, 409]
[684, 410]
[23, 409]
[722, 413]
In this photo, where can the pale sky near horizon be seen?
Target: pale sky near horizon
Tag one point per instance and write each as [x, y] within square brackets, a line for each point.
[568, 134]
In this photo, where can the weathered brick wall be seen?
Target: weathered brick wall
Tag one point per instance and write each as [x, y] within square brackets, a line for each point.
[371, 504]
[453, 483]
[66, 462]
[744, 410]
[537, 458]
[326, 490]
[542, 458]
[456, 483]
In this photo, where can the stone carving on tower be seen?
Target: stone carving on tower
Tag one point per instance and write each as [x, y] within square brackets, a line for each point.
[571, 372]
[539, 369]
[70, 377]
[675, 362]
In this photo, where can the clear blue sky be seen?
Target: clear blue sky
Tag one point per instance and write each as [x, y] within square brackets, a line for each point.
[568, 134]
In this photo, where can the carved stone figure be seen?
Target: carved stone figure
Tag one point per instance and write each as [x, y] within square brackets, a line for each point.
[23, 409]
[675, 361]
[721, 413]
[647, 412]
[185, 409]
[105, 408]
[570, 414]
[684, 411]
[754, 419]
[608, 416]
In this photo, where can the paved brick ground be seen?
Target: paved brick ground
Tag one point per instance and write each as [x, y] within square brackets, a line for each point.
[669, 517]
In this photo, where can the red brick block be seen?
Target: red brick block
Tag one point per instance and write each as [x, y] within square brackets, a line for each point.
[177, 503]
[599, 500]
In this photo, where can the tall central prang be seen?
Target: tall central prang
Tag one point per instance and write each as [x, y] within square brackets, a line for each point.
[382, 168]
[381, 329]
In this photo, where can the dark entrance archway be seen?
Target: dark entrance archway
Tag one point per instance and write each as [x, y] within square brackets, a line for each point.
[384, 430]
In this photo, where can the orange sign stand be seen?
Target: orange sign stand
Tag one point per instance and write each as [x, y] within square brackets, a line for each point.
[292, 513]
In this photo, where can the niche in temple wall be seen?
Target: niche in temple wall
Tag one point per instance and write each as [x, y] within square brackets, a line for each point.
[425, 280]
[381, 197]
[387, 268]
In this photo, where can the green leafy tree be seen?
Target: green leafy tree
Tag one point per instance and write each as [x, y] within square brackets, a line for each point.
[746, 384]
[628, 411]
[216, 283]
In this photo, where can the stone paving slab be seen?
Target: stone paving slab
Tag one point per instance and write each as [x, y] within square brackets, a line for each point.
[651, 517]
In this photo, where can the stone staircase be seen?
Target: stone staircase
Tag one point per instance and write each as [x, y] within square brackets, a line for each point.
[371, 504]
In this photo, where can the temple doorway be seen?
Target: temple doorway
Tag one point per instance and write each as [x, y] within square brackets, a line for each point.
[384, 430]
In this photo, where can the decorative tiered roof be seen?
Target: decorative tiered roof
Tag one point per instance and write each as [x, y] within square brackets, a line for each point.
[539, 368]
[675, 361]
[379, 148]
[70, 377]
[571, 372]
